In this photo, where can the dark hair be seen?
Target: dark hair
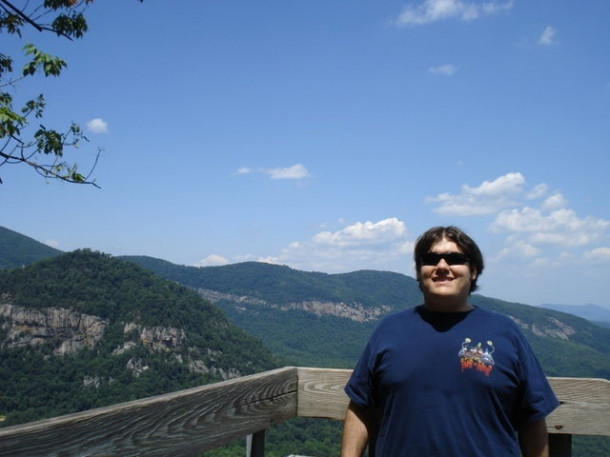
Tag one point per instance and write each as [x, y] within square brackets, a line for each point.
[459, 237]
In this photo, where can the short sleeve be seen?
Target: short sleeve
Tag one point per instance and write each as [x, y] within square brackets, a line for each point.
[538, 399]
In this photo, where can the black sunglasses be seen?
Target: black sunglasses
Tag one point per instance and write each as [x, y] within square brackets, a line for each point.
[452, 258]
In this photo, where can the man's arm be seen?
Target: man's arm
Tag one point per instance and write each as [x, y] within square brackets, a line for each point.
[534, 439]
[359, 425]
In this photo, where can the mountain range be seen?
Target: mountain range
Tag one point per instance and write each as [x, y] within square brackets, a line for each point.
[325, 320]
[594, 313]
[86, 329]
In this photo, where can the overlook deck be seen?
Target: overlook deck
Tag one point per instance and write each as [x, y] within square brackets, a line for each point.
[188, 422]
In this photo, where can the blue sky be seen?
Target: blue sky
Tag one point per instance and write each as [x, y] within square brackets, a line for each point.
[327, 135]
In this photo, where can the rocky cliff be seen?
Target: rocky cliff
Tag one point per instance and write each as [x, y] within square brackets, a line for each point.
[354, 311]
[67, 331]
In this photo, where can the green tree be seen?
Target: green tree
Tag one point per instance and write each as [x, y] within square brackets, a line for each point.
[39, 147]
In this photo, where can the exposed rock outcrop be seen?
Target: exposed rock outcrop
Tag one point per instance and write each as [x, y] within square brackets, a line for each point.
[67, 330]
[156, 339]
[353, 311]
[554, 329]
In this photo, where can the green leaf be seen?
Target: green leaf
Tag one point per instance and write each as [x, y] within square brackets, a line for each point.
[11, 23]
[10, 122]
[50, 65]
[6, 64]
[49, 141]
[71, 26]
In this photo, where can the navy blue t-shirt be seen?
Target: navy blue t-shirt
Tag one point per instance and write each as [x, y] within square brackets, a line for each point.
[450, 384]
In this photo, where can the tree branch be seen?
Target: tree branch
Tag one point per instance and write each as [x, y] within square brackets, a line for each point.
[22, 15]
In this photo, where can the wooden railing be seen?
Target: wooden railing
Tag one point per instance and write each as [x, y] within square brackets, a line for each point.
[188, 422]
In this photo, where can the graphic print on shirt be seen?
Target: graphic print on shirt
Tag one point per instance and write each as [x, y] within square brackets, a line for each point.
[476, 357]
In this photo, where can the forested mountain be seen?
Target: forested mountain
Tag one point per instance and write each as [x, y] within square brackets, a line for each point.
[86, 329]
[83, 329]
[17, 250]
[323, 319]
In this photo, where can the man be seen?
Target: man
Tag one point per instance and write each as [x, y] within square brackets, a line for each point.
[447, 378]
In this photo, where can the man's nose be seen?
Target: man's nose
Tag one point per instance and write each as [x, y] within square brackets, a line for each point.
[442, 263]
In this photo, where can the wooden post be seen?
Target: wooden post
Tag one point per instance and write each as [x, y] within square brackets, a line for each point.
[255, 444]
[560, 445]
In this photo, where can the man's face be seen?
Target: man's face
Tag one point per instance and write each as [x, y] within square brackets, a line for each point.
[446, 286]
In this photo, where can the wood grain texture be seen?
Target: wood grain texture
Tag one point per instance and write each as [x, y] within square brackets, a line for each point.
[585, 407]
[321, 393]
[181, 423]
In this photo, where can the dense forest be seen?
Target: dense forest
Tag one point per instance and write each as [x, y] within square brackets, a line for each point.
[17, 250]
[37, 383]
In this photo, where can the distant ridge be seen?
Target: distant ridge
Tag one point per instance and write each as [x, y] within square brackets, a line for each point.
[17, 250]
[324, 319]
[593, 313]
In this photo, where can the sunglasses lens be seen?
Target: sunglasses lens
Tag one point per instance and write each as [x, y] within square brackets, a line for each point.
[452, 258]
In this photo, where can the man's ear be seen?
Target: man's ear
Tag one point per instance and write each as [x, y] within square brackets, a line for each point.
[473, 274]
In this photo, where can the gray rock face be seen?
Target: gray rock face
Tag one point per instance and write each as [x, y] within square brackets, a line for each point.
[66, 330]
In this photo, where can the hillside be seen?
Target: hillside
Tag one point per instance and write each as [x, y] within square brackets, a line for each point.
[51, 314]
[82, 330]
[325, 320]
[283, 285]
[17, 250]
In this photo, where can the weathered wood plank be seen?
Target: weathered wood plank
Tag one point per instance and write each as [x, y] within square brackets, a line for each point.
[321, 393]
[585, 407]
[181, 423]
[587, 390]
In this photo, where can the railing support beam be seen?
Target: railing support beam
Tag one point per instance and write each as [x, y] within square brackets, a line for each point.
[255, 444]
[560, 445]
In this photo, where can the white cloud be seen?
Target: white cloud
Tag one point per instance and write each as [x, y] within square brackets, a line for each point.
[435, 10]
[555, 201]
[297, 172]
[361, 245]
[487, 198]
[510, 183]
[363, 233]
[602, 254]
[97, 125]
[561, 227]
[548, 36]
[213, 260]
[52, 243]
[519, 248]
[530, 219]
[538, 191]
[446, 70]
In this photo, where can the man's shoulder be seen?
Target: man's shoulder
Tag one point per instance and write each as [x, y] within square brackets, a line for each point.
[495, 320]
[398, 318]
[487, 314]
